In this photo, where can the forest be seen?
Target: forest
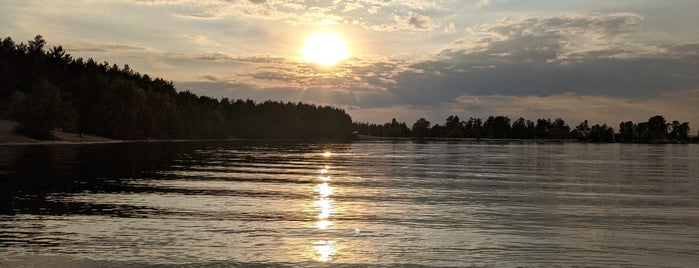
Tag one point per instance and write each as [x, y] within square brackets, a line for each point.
[655, 130]
[45, 89]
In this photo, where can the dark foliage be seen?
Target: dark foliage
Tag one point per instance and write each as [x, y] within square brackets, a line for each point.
[499, 127]
[393, 129]
[655, 130]
[106, 100]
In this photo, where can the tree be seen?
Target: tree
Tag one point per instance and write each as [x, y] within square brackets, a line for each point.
[421, 128]
[474, 128]
[58, 55]
[581, 132]
[542, 128]
[674, 130]
[679, 132]
[497, 127]
[559, 129]
[36, 46]
[601, 133]
[454, 127]
[683, 131]
[42, 109]
[655, 130]
[522, 129]
[627, 131]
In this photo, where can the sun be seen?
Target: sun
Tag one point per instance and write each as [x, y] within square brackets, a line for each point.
[325, 49]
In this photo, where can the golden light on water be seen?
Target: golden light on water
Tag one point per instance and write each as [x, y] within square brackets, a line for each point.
[323, 224]
[325, 190]
[325, 208]
[325, 249]
[325, 49]
[324, 204]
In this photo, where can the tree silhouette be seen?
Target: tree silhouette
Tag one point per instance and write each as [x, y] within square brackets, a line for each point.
[42, 109]
[601, 133]
[627, 131]
[655, 130]
[421, 128]
[497, 127]
[454, 127]
[522, 129]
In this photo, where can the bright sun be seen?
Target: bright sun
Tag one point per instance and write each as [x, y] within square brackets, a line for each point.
[325, 49]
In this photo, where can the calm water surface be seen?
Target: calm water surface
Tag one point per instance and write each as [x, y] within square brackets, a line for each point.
[356, 204]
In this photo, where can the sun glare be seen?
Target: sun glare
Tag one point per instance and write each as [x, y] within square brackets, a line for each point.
[325, 49]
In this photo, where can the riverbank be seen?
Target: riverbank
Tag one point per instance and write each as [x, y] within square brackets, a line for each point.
[9, 137]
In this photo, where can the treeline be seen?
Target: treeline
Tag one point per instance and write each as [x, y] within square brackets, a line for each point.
[47, 89]
[655, 130]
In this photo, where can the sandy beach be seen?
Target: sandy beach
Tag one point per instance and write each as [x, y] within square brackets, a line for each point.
[9, 137]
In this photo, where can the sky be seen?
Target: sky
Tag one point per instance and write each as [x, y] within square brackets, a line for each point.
[598, 60]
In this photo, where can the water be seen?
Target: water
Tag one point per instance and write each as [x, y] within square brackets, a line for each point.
[358, 204]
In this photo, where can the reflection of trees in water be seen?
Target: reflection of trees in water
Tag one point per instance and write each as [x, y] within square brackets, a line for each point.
[30, 173]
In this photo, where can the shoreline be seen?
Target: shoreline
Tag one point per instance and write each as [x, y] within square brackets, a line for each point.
[8, 137]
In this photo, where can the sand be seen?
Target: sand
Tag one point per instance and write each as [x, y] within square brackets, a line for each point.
[9, 137]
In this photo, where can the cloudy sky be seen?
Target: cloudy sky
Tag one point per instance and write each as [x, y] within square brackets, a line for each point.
[601, 60]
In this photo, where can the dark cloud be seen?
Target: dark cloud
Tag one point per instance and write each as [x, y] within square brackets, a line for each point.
[546, 56]
[417, 21]
[209, 78]
[409, 21]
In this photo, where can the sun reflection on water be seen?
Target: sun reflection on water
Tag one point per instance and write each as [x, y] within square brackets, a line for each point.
[325, 190]
[323, 224]
[324, 249]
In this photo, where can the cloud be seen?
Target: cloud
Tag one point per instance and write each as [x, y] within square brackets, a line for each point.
[416, 22]
[409, 21]
[449, 29]
[583, 54]
[85, 47]
[373, 14]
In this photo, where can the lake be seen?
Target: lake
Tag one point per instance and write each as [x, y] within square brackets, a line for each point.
[381, 203]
